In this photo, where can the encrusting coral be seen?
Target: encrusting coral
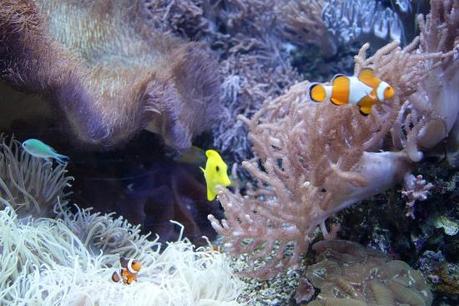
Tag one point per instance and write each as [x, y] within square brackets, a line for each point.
[32, 185]
[319, 159]
[108, 73]
[348, 274]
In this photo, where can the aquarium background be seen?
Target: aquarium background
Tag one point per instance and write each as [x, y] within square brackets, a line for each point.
[125, 89]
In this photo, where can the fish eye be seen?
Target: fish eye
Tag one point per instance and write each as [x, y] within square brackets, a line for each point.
[217, 168]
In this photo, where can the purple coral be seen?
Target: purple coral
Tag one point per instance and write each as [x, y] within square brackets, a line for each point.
[416, 189]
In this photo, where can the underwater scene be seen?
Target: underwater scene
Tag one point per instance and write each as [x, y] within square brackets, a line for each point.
[229, 152]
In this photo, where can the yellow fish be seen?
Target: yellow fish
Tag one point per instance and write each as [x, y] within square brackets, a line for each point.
[363, 90]
[215, 173]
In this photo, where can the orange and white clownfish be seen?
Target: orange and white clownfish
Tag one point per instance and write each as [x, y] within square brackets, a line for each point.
[363, 90]
[128, 271]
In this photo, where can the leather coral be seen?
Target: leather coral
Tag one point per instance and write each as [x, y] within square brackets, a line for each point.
[109, 74]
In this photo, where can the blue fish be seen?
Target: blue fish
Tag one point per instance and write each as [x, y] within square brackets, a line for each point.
[40, 149]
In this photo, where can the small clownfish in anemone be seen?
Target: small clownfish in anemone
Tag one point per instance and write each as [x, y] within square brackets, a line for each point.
[364, 90]
[39, 149]
[215, 173]
[128, 272]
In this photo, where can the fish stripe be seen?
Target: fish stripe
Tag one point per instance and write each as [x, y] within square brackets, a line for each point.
[340, 92]
[358, 90]
[380, 91]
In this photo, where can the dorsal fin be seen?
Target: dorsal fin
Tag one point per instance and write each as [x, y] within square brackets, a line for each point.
[367, 76]
[336, 76]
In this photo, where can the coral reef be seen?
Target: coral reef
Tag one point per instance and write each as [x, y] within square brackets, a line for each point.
[348, 274]
[107, 72]
[32, 185]
[318, 159]
[257, 42]
[304, 149]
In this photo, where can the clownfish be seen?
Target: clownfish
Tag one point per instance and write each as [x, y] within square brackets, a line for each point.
[363, 90]
[215, 173]
[128, 271]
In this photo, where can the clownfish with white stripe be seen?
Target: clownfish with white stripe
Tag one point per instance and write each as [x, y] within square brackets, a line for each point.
[128, 272]
[364, 90]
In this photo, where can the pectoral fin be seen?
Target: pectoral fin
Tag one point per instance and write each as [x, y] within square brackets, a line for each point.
[366, 104]
[365, 110]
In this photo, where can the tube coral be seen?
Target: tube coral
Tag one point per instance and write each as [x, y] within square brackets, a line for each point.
[108, 73]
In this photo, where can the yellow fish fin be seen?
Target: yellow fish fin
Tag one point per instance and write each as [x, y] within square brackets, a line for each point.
[367, 76]
[317, 92]
[203, 171]
[211, 194]
[365, 110]
[367, 101]
[366, 104]
[340, 90]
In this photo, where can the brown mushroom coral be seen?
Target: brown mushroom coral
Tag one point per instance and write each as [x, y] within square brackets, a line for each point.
[106, 71]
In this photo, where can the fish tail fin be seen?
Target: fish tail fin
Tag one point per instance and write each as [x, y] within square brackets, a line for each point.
[211, 195]
[317, 92]
[62, 159]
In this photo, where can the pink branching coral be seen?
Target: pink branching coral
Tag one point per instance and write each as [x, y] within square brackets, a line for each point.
[416, 189]
[312, 160]
[431, 108]
[314, 164]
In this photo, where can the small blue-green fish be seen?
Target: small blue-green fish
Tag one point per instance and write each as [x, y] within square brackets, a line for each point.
[215, 173]
[40, 149]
